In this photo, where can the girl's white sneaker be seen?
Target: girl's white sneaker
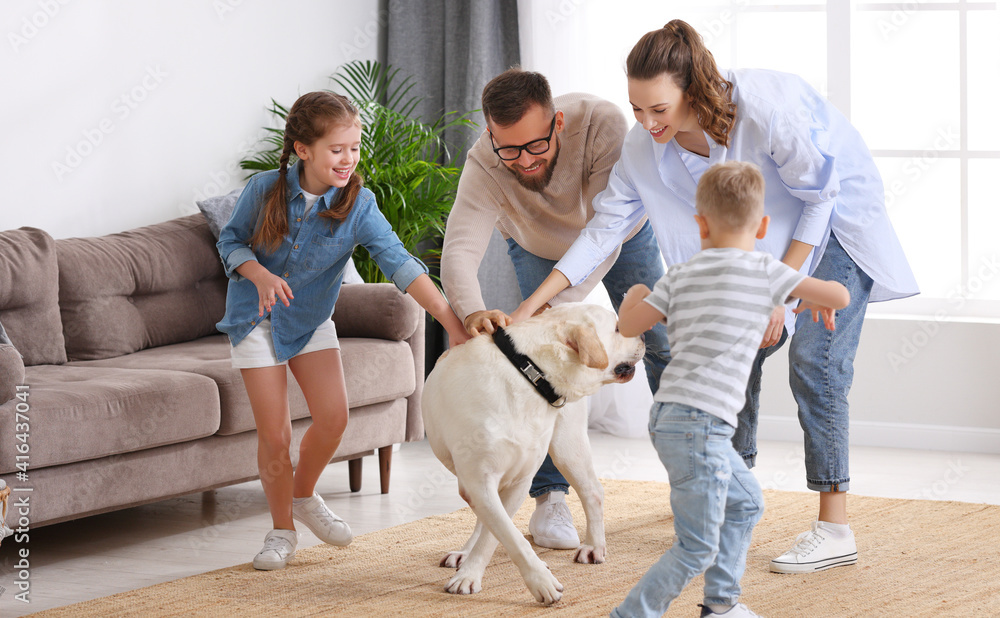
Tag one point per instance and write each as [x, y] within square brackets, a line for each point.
[279, 548]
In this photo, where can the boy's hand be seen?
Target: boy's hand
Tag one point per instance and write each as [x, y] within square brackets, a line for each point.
[829, 315]
[271, 288]
[521, 313]
[772, 334]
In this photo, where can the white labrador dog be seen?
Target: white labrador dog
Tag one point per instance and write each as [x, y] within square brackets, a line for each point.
[489, 425]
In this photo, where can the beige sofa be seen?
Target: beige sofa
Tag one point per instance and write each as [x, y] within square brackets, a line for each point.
[125, 390]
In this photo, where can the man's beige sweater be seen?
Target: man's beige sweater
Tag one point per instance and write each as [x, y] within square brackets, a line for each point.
[544, 223]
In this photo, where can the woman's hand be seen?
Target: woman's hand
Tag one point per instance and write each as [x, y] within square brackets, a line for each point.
[523, 312]
[772, 334]
[270, 289]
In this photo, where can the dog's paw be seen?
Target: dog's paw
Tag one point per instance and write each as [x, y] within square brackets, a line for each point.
[544, 586]
[453, 559]
[588, 554]
[464, 583]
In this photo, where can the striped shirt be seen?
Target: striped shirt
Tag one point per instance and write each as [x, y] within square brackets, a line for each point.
[717, 306]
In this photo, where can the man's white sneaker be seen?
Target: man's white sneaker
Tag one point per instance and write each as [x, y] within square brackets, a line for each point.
[551, 524]
[279, 548]
[736, 611]
[314, 513]
[817, 550]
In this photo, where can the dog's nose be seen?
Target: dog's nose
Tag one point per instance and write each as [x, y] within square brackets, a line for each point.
[624, 370]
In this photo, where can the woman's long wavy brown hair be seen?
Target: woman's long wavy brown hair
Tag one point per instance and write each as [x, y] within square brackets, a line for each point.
[678, 50]
[311, 117]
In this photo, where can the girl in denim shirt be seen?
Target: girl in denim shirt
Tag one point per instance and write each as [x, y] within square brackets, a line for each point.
[284, 250]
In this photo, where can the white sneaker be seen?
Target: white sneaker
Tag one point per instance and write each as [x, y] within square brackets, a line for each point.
[551, 524]
[279, 548]
[736, 611]
[314, 513]
[817, 550]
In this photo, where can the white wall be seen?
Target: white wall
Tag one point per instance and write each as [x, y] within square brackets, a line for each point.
[121, 114]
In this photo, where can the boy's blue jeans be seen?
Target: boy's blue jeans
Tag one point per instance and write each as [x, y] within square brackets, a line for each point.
[716, 502]
[638, 262]
[821, 371]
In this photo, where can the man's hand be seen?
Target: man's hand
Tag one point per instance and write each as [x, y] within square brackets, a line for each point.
[486, 322]
[829, 315]
[772, 334]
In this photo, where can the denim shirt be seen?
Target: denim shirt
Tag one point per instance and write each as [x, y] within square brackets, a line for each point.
[311, 259]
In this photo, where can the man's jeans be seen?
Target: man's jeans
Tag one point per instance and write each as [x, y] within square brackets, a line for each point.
[821, 371]
[716, 502]
[639, 262]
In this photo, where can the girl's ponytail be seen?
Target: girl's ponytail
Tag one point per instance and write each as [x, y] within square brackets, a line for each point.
[273, 226]
[678, 50]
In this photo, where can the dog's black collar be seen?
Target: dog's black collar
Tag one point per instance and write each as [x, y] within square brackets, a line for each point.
[528, 369]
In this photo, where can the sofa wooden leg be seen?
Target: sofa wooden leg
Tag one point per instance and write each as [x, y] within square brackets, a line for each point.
[354, 474]
[385, 466]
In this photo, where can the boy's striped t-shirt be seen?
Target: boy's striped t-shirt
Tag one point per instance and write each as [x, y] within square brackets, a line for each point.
[717, 307]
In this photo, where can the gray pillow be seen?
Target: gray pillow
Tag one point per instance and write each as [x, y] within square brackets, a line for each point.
[218, 209]
[11, 368]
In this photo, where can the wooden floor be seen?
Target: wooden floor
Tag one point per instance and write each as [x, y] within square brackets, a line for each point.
[160, 542]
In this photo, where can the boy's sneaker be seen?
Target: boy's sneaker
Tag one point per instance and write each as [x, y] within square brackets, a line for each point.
[551, 525]
[736, 611]
[279, 548]
[314, 513]
[817, 550]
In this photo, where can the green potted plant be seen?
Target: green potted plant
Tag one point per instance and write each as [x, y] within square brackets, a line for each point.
[404, 162]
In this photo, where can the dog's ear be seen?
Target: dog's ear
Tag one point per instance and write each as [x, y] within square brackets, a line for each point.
[584, 341]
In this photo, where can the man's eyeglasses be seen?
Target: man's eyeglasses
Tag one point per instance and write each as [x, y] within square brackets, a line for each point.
[537, 147]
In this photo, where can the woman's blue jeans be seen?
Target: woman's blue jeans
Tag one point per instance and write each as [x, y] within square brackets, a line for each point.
[638, 262]
[821, 371]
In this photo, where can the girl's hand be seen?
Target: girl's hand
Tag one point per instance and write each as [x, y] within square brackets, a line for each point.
[772, 334]
[270, 289]
[458, 337]
[829, 314]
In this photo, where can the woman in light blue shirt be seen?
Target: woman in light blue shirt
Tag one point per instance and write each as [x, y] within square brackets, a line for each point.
[828, 218]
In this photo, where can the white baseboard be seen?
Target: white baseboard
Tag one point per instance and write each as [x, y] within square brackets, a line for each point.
[894, 435]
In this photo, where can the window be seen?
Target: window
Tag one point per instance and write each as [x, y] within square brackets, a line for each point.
[918, 79]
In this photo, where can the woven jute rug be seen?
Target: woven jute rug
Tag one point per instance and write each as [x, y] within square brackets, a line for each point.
[917, 558]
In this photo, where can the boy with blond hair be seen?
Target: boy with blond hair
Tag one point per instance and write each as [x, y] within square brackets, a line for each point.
[716, 307]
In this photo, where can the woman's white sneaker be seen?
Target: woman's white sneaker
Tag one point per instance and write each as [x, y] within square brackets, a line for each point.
[279, 548]
[817, 550]
[314, 513]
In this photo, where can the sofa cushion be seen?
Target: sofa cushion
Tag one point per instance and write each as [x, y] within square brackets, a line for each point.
[397, 316]
[146, 287]
[29, 295]
[79, 413]
[375, 371]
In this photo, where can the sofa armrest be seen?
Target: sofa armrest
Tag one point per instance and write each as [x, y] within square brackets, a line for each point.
[11, 372]
[377, 310]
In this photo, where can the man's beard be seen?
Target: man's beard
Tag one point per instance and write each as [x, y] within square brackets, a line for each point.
[537, 182]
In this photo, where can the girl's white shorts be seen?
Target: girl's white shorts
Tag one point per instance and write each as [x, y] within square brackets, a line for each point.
[257, 348]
